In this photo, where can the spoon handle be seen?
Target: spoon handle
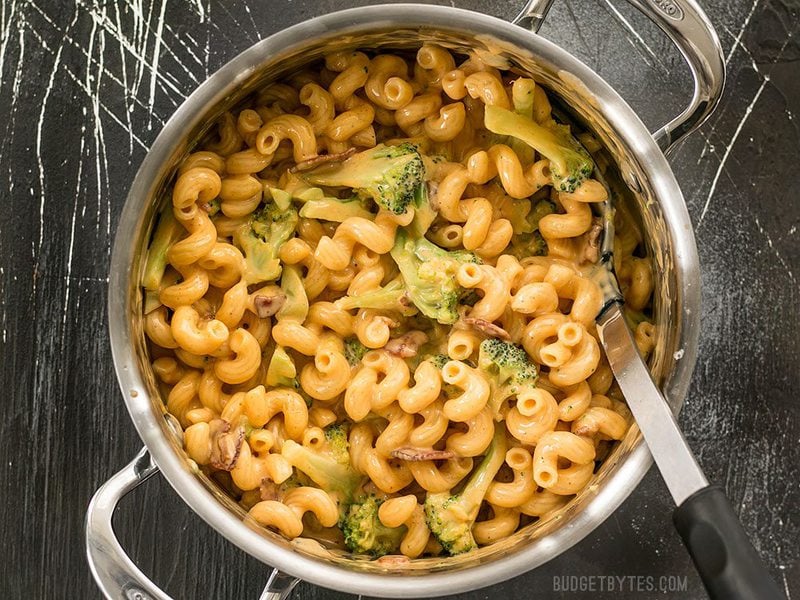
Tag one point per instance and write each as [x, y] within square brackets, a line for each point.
[726, 560]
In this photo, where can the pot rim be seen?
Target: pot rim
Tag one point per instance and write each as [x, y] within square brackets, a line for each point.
[609, 496]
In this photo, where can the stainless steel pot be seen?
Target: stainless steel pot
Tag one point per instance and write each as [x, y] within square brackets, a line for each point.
[640, 158]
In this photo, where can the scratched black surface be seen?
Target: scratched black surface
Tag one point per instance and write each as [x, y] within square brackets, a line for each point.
[86, 85]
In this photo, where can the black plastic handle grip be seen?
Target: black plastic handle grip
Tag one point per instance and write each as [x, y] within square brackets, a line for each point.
[726, 560]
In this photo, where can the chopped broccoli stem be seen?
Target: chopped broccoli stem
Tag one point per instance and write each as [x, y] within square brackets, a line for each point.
[296, 305]
[261, 240]
[450, 517]
[281, 198]
[570, 163]
[151, 301]
[429, 273]
[424, 213]
[354, 351]
[393, 296]
[522, 96]
[168, 231]
[332, 209]
[365, 534]
[387, 174]
[281, 370]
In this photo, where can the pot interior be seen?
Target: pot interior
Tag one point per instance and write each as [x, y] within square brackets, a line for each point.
[575, 97]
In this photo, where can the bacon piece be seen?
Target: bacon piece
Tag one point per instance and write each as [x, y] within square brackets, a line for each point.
[225, 445]
[322, 159]
[413, 454]
[268, 489]
[406, 345]
[591, 251]
[266, 306]
[488, 328]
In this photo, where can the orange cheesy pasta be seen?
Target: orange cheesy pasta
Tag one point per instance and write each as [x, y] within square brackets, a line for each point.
[367, 305]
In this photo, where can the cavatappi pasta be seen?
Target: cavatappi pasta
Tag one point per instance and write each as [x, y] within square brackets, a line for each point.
[367, 307]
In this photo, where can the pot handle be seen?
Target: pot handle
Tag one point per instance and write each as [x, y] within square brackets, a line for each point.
[691, 31]
[115, 573]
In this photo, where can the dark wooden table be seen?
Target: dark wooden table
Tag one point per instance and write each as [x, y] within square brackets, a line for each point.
[86, 86]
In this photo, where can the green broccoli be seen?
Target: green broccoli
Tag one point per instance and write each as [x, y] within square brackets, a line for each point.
[281, 371]
[168, 231]
[424, 213]
[532, 244]
[508, 363]
[528, 244]
[450, 517]
[354, 351]
[429, 273]
[328, 467]
[438, 360]
[387, 174]
[261, 240]
[635, 317]
[541, 209]
[212, 207]
[365, 534]
[335, 210]
[336, 443]
[509, 367]
[570, 163]
[296, 305]
[392, 296]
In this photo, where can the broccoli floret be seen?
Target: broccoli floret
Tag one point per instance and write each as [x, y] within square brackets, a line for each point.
[429, 273]
[528, 244]
[336, 443]
[294, 481]
[509, 364]
[365, 534]
[509, 367]
[168, 231]
[325, 468]
[451, 517]
[387, 174]
[516, 210]
[438, 360]
[570, 163]
[532, 244]
[392, 296]
[261, 240]
[354, 351]
[540, 209]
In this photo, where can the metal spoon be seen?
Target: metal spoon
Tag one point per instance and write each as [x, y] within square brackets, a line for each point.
[724, 556]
